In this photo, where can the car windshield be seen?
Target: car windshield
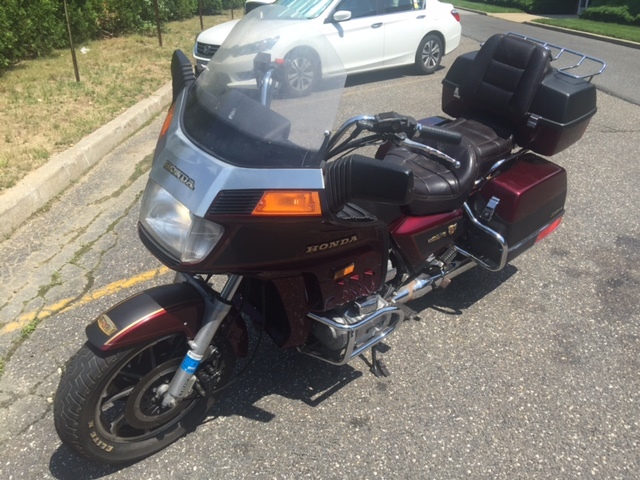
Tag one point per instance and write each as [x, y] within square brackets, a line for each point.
[300, 9]
[226, 114]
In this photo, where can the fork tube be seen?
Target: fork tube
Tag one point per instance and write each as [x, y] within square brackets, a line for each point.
[215, 312]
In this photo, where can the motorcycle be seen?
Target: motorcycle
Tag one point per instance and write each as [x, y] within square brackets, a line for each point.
[323, 247]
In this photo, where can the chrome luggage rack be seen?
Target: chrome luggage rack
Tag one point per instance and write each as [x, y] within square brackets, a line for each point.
[575, 60]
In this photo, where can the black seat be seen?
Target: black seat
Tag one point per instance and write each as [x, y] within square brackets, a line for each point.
[496, 93]
[437, 187]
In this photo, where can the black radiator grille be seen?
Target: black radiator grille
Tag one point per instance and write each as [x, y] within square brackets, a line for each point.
[235, 202]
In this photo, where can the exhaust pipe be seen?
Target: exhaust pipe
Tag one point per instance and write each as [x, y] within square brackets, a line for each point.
[424, 284]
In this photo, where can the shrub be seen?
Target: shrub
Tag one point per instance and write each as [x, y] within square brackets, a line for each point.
[553, 6]
[8, 39]
[211, 7]
[538, 6]
[33, 28]
[632, 5]
[611, 14]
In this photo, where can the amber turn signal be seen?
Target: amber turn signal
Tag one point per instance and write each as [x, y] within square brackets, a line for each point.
[167, 121]
[288, 202]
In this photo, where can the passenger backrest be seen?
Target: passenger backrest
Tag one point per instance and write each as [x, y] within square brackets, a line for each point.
[504, 76]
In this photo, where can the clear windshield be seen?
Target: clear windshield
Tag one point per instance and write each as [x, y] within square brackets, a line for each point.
[303, 8]
[226, 113]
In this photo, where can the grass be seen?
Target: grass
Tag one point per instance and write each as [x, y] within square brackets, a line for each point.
[483, 7]
[623, 32]
[43, 110]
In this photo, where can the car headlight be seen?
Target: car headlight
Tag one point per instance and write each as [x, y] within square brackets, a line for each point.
[255, 47]
[174, 227]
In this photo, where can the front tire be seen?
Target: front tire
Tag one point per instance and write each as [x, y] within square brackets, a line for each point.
[429, 54]
[106, 408]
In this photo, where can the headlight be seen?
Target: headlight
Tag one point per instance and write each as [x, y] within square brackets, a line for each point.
[174, 227]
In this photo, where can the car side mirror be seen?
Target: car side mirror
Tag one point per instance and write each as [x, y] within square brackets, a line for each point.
[341, 16]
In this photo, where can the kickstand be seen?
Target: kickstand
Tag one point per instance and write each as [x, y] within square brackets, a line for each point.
[378, 367]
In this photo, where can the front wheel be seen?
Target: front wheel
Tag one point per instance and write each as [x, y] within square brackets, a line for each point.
[429, 54]
[107, 407]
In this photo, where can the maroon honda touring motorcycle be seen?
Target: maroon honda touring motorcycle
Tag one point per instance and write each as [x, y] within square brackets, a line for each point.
[321, 246]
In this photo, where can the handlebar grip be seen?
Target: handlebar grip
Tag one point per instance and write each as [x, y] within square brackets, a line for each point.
[439, 134]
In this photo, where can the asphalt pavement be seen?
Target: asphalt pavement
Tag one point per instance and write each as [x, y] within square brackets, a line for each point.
[528, 373]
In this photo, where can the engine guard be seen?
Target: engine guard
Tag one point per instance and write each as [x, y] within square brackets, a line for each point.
[153, 313]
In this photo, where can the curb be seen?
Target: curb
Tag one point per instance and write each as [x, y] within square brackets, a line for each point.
[40, 186]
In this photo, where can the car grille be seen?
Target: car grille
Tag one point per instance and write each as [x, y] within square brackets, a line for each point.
[206, 50]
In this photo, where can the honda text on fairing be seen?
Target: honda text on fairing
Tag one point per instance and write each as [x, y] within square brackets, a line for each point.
[321, 246]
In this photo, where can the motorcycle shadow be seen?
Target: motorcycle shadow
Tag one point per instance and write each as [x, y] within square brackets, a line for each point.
[464, 291]
[302, 378]
[285, 373]
[272, 372]
[294, 376]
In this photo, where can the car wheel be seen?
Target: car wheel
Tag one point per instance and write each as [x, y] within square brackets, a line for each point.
[429, 54]
[302, 74]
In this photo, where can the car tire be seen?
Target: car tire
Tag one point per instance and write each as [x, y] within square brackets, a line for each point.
[429, 54]
[302, 74]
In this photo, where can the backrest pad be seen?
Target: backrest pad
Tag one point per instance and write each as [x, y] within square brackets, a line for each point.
[504, 76]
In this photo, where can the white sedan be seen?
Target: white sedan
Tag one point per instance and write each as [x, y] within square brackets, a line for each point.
[366, 34]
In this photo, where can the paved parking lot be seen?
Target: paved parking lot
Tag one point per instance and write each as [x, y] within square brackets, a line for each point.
[528, 373]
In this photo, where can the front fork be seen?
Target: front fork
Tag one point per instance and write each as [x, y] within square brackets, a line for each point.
[215, 311]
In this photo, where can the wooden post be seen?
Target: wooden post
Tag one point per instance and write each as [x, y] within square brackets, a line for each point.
[200, 11]
[155, 4]
[73, 49]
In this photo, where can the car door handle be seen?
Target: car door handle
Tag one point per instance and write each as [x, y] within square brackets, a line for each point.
[376, 25]
[420, 17]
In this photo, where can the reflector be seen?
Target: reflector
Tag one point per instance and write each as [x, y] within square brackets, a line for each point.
[546, 231]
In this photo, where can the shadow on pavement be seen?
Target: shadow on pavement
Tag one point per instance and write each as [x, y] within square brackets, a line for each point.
[297, 377]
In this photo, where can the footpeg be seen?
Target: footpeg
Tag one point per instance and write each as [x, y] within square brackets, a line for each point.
[409, 313]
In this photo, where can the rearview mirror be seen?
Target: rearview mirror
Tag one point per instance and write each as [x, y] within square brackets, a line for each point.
[341, 16]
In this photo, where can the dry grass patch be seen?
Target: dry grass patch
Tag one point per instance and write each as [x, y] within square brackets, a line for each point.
[43, 110]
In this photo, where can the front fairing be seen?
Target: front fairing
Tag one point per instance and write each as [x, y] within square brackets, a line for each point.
[223, 150]
[223, 139]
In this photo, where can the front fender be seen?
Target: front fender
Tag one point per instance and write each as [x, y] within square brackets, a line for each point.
[153, 313]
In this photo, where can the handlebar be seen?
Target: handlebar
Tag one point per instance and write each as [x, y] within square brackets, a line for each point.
[385, 126]
[439, 134]
[391, 122]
